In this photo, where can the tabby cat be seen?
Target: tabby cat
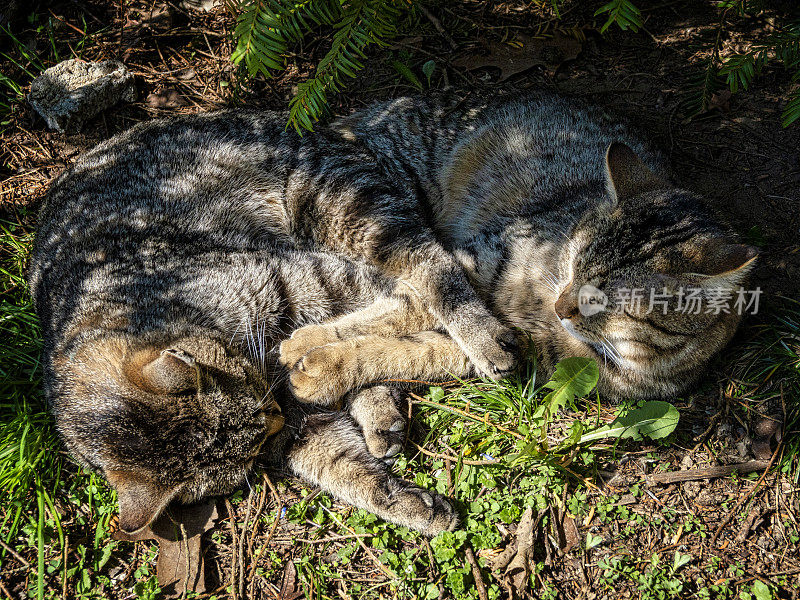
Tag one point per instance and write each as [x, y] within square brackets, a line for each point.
[537, 197]
[164, 272]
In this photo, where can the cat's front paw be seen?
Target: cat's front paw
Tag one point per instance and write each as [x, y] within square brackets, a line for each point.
[303, 340]
[376, 411]
[321, 376]
[493, 350]
[424, 511]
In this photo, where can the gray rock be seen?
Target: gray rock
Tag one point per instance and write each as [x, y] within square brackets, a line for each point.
[73, 91]
[200, 5]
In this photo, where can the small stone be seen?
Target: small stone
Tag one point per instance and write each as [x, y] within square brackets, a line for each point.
[743, 447]
[73, 91]
[200, 5]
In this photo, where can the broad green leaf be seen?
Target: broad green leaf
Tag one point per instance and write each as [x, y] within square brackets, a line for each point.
[680, 560]
[574, 377]
[654, 420]
[761, 590]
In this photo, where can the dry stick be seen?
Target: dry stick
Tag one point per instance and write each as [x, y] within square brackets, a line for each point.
[747, 497]
[476, 574]
[5, 591]
[272, 488]
[334, 538]
[251, 576]
[234, 547]
[752, 466]
[360, 542]
[453, 458]
[13, 553]
[64, 575]
[256, 517]
[438, 25]
[241, 542]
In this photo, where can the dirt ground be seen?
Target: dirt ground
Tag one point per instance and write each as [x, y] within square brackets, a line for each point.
[737, 155]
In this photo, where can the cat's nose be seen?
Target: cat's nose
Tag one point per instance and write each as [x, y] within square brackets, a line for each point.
[566, 306]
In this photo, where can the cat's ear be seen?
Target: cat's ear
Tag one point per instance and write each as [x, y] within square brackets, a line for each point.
[723, 265]
[626, 175]
[171, 372]
[140, 499]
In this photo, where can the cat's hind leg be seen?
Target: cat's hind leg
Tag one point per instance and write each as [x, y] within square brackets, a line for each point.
[331, 453]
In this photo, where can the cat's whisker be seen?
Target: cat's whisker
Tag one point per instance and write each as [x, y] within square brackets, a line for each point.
[616, 357]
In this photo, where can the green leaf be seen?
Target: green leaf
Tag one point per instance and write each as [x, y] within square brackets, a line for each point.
[407, 74]
[680, 560]
[654, 420]
[427, 69]
[623, 13]
[761, 590]
[573, 378]
[574, 437]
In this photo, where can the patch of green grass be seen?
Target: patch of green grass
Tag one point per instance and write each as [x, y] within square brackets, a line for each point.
[29, 468]
[769, 371]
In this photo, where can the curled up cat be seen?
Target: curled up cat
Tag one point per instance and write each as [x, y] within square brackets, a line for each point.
[405, 241]
[163, 276]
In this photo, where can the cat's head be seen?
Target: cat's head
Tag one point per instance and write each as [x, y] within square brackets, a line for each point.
[651, 285]
[167, 420]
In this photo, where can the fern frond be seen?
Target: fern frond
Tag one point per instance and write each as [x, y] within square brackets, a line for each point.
[363, 23]
[622, 12]
[702, 88]
[264, 29]
[740, 69]
[791, 112]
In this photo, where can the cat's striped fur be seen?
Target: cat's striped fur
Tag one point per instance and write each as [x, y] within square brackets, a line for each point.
[536, 197]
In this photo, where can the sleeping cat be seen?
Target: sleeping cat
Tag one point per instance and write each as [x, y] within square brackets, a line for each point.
[163, 276]
[539, 197]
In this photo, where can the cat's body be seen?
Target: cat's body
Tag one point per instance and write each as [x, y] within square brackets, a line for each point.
[182, 236]
[163, 283]
[537, 197]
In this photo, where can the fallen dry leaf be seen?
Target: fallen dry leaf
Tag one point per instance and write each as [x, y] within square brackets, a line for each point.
[565, 530]
[166, 98]
[289, 588]
[513, 565]
[531, 52]
[767, 431]
[179, 531]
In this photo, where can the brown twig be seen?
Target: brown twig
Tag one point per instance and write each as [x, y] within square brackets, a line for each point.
[439, 27]
[234, 549]
[252, 574]
[242, 540]
[476, 573]
[361, 543]
[446, 457]
[64, 561]
[334, 538]
[752, 466]
[5, 591]
[13, 553]
[743, 499]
